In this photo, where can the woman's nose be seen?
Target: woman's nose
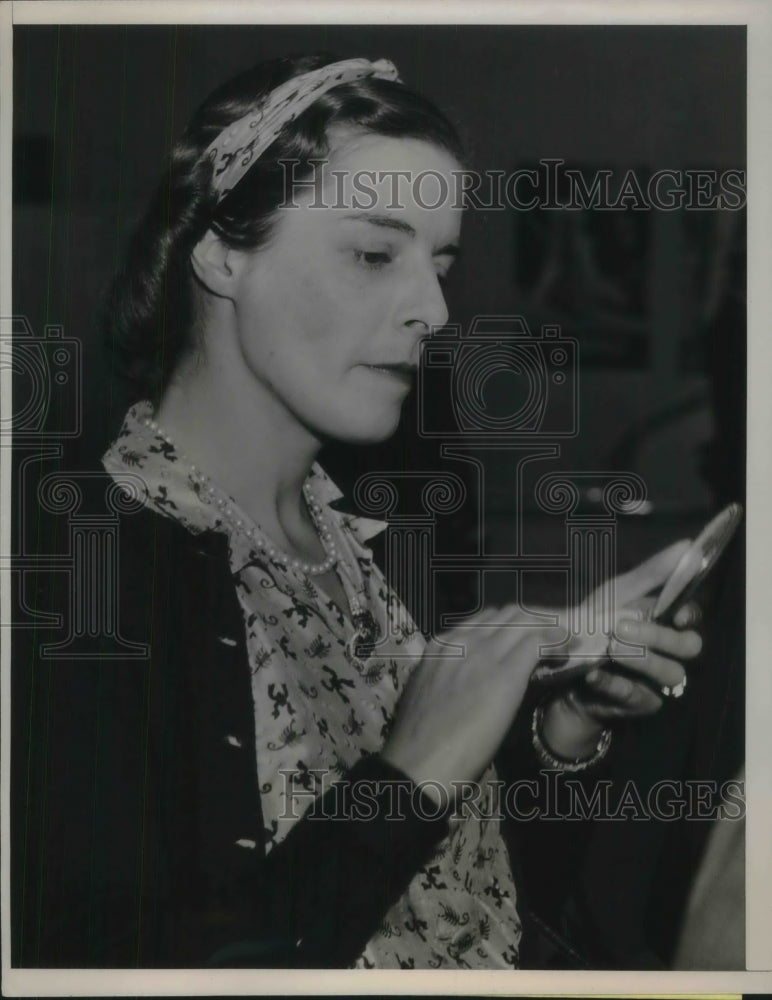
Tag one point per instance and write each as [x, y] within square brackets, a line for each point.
[427, 306]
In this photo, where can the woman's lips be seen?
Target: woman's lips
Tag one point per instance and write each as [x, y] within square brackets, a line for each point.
[403, 373]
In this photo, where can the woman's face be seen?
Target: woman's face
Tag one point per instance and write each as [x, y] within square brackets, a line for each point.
[330, 313]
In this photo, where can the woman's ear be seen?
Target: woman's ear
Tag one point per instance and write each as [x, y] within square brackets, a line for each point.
[213, 264]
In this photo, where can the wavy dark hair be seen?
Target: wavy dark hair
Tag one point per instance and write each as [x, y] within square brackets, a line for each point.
[151, 308]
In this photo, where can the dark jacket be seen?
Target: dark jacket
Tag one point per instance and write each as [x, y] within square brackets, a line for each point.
[128, 798]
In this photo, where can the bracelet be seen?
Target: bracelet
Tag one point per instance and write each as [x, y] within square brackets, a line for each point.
[561, 763]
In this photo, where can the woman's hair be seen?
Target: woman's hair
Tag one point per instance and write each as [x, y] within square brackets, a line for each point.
[151, 309]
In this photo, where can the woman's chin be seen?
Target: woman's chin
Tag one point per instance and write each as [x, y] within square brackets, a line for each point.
[363, 436]
[368, 429]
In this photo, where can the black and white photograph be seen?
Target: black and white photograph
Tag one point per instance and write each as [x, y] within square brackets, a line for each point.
[377, 504]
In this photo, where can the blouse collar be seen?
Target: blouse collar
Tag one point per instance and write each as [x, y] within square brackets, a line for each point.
[175, 487]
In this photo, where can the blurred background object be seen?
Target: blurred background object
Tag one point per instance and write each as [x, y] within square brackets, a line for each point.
[712, 935]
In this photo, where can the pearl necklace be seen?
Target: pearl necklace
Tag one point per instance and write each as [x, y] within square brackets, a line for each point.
[252, 532]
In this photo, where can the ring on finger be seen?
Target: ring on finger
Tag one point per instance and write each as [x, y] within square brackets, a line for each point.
[674, 692]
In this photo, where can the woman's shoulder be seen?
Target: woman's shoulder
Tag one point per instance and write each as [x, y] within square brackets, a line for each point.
[118, 504]
[145, 532]
[181, 571]
[158, 565]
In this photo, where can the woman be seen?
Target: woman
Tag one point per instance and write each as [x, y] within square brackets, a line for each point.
[251, 810]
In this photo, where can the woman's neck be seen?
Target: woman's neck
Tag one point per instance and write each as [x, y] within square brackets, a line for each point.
[236, 432]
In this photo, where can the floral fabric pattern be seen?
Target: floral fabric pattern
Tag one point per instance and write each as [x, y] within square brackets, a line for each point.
[325, 683]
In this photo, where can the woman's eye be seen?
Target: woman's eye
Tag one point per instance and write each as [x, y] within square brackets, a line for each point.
[373, 259]
[443, 278]
[442, 269]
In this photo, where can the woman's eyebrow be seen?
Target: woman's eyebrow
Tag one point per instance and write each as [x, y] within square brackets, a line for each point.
[389, 222]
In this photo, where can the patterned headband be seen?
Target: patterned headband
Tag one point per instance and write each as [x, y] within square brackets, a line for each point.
[237, 147]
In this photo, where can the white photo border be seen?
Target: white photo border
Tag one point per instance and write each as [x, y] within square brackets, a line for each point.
[757, 15]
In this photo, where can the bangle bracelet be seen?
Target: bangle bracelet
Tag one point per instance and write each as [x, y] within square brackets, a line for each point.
[561, 763]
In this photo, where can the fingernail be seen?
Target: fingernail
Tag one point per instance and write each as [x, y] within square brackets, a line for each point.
[687, 616]
[628, 627]
[593, 676]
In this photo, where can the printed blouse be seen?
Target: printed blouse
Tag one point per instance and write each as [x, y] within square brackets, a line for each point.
[325, 683]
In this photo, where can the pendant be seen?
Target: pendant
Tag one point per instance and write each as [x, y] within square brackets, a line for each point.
[367, 632]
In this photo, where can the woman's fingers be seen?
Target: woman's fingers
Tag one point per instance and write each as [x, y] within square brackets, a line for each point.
[456, 708]
[652, 573]
[651, 653]
[680, 644]
[653, 668]
[641, 610]
[490, 618]
[689, 614]
[498, 632]
[638, 611]
[609, 695]
[656, 662]
[470, 633]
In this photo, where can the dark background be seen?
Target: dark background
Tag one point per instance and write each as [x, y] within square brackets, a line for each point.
[96, 109]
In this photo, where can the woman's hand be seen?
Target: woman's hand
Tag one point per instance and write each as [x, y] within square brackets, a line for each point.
[649, 654]
[455, 710]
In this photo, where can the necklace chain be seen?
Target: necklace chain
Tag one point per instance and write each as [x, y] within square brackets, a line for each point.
[251, 530]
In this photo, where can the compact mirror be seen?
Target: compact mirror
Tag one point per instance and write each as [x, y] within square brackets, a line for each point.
[691, 570]
[696, 562]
